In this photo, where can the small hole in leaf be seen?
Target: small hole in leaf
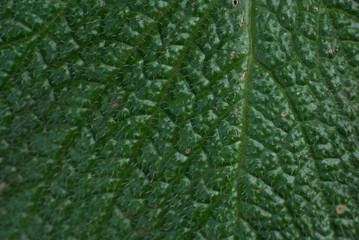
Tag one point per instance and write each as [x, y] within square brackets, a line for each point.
[235, 3]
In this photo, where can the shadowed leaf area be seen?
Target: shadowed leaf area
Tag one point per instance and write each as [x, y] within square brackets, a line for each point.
[179, 119]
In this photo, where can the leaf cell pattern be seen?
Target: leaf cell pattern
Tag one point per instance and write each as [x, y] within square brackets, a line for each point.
[121, 118]
[299, 160]
[179, 119]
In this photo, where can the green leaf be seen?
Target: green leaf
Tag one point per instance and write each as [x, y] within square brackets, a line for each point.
[184, 119]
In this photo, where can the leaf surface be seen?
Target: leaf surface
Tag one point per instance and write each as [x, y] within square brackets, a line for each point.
[179, 119]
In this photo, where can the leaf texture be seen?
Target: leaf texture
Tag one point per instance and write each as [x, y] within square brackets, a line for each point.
[179, 119]
[299, 159]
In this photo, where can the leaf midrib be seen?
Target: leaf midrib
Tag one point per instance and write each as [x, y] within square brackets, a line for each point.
[253, 60]
[249, 19]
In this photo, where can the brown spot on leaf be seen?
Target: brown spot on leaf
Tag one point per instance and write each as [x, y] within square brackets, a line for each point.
[188, 150]
[2, 185]
[243, 76]
[284, 114]
[340, 209]
[241, 23]
[115, 103]
[233, 53]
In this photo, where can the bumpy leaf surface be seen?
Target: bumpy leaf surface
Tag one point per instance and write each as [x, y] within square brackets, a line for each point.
[179, 119]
